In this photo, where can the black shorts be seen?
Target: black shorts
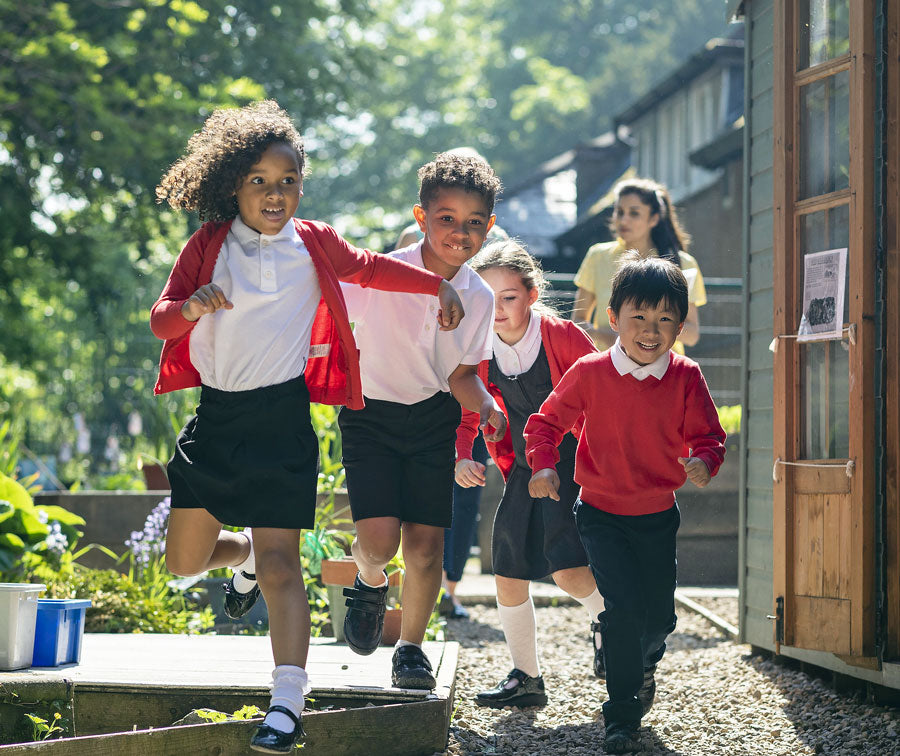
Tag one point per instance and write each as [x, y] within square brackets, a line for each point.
[250, 458]
[399, 459]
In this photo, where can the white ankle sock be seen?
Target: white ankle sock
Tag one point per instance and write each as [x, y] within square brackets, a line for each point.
[242, 584]
[289, 685]
[402, 642]
[380, 585]
[520, 629]
[593, 602]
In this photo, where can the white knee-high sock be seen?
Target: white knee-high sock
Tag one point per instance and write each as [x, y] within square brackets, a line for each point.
[593, 602]
[242, 584]
[289, 685]
[520, 629]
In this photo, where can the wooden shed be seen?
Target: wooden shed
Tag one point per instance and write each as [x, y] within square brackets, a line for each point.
[820, 496]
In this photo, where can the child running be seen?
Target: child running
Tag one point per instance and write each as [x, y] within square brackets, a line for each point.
[398, 450]
[253, 313]
[649, 423]
[532, 538]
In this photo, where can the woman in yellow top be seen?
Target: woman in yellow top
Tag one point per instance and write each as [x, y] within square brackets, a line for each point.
[643, 219]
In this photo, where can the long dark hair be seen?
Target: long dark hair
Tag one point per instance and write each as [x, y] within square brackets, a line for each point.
[668, 236]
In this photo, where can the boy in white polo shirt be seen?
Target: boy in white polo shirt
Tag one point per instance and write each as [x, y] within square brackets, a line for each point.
[399, 450]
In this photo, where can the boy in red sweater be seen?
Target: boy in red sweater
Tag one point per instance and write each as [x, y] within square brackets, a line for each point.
[649, 423]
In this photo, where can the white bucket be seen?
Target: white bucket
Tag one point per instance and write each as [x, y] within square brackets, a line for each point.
[18, 615]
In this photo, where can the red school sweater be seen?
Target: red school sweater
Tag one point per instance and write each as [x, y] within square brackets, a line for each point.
[564, 342]
[633, 433]
[332, 369]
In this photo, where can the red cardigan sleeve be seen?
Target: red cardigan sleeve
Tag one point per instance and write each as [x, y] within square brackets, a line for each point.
[367, 268]
[558, 414]
[703, 432]
[166, 320]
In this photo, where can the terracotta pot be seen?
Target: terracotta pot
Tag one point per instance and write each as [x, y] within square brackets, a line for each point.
[343, 572]
[392, 619]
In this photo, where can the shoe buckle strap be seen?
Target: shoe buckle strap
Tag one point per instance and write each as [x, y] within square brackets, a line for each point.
[285, 710]
[368, 607]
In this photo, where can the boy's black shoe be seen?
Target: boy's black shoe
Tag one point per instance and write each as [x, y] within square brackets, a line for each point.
[622, 737]
[411, 669]
[269, 740]
[364, 622]
[599, 663]
[237, 604]
[528, 691]
[648, 690]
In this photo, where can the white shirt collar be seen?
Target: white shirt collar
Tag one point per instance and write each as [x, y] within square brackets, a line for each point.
[625, 365]
[246, 235]
[459, 281]
[514, 359]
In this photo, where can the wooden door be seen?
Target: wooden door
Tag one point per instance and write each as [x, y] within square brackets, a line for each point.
[823, 420]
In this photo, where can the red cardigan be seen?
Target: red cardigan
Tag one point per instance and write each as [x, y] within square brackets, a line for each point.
[634, 431]
[564, 342]
[332, 370]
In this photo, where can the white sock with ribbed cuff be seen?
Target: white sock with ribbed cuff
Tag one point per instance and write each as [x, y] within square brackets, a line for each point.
[520, 629]
[241, 583]
[380, 585]
[594, 604]
[289, 686]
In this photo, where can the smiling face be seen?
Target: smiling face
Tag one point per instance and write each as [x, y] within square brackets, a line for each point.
[646, 331]
[634, 222]
[455, 224]
[269, 194]
[512, 303]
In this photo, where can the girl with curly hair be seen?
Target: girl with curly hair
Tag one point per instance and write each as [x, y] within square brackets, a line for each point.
[252, 312]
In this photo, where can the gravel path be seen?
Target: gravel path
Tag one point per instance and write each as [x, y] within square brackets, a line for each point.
[713, 697]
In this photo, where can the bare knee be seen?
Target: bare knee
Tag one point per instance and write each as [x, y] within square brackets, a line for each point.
[182, 565]
[277, 571]
[424, 555]
[375, 551]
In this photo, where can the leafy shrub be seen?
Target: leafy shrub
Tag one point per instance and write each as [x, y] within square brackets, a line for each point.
[730, 418]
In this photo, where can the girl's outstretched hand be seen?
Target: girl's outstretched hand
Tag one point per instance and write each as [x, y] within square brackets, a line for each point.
[544, 483]
[452, 310]
[205, 300]
[492, 416]
[696, 469]
[469, 473]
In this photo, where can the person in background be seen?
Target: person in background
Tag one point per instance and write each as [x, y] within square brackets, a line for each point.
[533, 537]
[648, 425]
[643, 219]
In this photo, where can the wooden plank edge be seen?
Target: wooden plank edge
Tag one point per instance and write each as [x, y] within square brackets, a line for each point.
[726, 627]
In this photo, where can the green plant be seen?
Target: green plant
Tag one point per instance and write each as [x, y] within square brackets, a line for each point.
[730, 418]
[42, 729]
[29, 534]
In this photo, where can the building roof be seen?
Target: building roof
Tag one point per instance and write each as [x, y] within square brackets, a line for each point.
[718, 49]
[723, 148]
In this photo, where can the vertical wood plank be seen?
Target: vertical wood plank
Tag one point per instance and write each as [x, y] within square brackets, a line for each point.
[782, 271]
[800, 536]
[861, 265]
[845, 530]
[892, 329]
[814, 580]
[831, 546]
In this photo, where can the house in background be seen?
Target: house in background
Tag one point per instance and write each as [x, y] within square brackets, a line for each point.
[820, 464]
[548, 202]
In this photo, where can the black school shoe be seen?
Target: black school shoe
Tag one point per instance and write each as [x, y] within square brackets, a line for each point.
[364, 623]
[528, 692]
[648, 690]
[269, 740]
[410, 668]
[237, 604]
[599, 663]
[622, 737]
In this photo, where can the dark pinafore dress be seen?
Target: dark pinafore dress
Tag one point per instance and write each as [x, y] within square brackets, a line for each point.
[534, 537]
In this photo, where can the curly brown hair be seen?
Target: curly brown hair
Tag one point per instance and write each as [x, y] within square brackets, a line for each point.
[221, 154]
[459, 170]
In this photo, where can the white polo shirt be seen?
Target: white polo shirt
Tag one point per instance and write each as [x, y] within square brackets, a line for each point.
[264, 340]
[518, 358]
[625, 365]
[404, 356]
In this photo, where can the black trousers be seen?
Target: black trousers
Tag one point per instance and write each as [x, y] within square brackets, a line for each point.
[633, 561]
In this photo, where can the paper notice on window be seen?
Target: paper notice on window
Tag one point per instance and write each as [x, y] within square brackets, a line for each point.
[823, 295]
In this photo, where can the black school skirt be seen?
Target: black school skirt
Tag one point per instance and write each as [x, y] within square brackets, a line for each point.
[249, 458]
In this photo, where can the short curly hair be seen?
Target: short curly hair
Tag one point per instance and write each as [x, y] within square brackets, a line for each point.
[221, 154]
[462, 171]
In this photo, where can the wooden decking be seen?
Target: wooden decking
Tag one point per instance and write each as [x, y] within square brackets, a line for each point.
[127, 682]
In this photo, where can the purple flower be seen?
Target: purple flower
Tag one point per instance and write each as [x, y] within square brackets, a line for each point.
[151, 541]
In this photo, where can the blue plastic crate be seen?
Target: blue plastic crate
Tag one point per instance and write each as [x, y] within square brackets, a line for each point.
[58, 632]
